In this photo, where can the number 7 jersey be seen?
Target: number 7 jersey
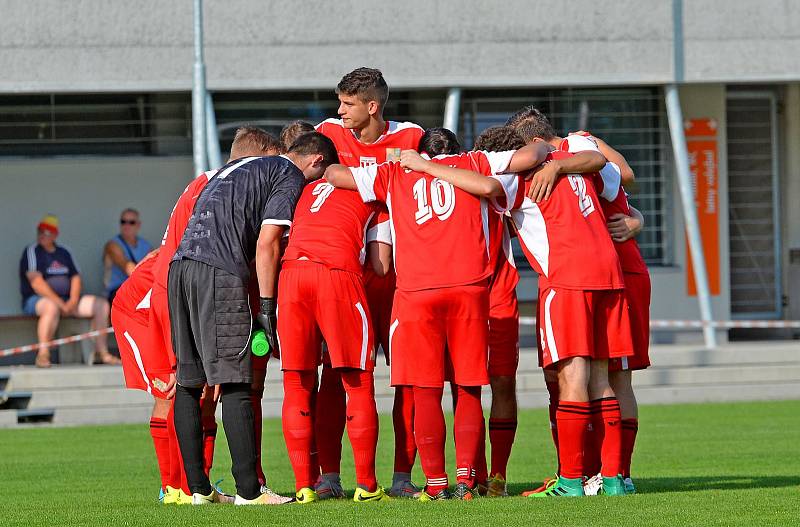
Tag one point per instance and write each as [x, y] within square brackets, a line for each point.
[440, 233]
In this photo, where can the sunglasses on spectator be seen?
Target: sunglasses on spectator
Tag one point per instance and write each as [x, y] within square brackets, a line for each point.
[128, 222]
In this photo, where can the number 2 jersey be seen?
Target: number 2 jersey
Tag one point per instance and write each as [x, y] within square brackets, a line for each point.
[565, 237]
[440, 233]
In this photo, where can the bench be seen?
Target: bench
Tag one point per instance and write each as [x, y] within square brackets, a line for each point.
[20, 329]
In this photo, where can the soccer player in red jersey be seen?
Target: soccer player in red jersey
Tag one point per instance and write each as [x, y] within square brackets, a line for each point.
[321, 297]
[140, 314]
[363, 137]
[439, 319]
[582, 314]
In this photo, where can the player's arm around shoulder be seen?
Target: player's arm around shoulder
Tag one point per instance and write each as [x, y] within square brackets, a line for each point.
[340, 176]
[467, 180]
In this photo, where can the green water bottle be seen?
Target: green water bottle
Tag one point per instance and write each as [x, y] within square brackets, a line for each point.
[259, 344]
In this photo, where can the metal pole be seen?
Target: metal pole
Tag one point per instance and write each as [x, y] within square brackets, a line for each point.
[212, 138]
[199, 95]
[451, 108]
[675, 117]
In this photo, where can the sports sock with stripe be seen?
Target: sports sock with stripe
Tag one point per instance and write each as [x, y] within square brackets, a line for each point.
[629, 429]
[501, 437]
[405, 448]
[572, 418]
[160, 435]
[593, 441]
[429, 431]
[481, 470]
[362, 425]
[330, 419]
[298, 426]
[467, 426]
[608, 428]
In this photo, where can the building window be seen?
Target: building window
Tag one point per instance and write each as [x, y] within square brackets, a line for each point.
[631, 120]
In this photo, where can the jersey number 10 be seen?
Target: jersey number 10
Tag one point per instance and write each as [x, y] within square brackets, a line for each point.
[442, 200]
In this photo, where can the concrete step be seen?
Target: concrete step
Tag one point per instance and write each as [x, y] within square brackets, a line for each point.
[4, 380]
[36, 415]
[89, 397]
[104, 415]
[66, 377]
[14, 400]
[8, 418]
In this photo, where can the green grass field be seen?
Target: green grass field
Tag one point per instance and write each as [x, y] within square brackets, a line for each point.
[713, 464]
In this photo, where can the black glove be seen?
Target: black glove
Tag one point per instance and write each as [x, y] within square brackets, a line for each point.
[269, 321]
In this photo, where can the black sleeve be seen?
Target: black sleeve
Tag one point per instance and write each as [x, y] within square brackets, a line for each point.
[279, 206]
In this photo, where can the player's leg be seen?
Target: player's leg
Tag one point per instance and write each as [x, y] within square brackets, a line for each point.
[160, 436]
[49, 316]
[405, 447]
[620, 381]
[362, 429]
[97, 308]
[467, 345]
[208, 409]
[298, 430]
[256, 395]
[330, 420]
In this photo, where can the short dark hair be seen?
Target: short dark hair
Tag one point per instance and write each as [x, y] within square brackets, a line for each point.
[439, 141]
[530, 123]
[366, 83]
[292, 131]
[312, 143]
[499, 139]
[129, 210]
[252, 141]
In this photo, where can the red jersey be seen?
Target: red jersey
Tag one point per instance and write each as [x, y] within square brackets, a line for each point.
[178, 220]
[565, 237]
[440, 233]
[630, 257]
[133, 297]
[329, 227]
[353, 153]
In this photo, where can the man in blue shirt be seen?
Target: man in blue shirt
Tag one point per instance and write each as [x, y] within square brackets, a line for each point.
[123, 252]
[50, 284]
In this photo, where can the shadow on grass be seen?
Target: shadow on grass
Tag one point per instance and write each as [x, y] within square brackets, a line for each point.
[686, 484]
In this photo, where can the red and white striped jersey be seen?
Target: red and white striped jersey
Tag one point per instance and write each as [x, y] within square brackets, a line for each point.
[440, 233]
[353, 153]
[565, 237]
[630, 257]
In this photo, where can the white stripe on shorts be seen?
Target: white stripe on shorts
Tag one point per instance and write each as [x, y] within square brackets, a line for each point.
[138, 356]
[364, 335]
[548, 324]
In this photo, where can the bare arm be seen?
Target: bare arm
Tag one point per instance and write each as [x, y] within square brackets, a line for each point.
[114, 252]
[623, 228]
[467, 180]
[340, 177]
[380, 257]
[75, 286]
[529, 156]
[268, 255]
[42, 288]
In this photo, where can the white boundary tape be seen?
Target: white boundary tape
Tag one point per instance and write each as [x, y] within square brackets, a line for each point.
[699, 324]
[57, 342]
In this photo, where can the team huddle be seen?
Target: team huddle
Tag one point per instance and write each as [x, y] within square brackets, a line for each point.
[363, 237]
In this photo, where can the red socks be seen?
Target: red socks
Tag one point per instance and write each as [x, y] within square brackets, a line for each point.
[405, 448]
[501, 437]
[467, 427]
[330, 420]
[481, 470]
[255, 398]
[429, 431]
[160, 435]
[571, 418]
[362, 425]
[629, 429]
[209, 435]
[298, 426]
[608, 433]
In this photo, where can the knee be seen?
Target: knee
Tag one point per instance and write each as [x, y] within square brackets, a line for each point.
[503, 386]
[47, 309]
[161, 408]
[100, 307]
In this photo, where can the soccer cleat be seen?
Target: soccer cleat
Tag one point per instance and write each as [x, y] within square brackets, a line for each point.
[613, 486]
[363, 496]
[463, 492]
[329, 486]
[183, 498]
[441, 495]
[265, 498]
[548, 483]
[404, 489]
[212, 497]
[496, 487]
[593, 486]
[629, 487]
[305, 495]
[169, 496]
[161, 495]
[564, 487]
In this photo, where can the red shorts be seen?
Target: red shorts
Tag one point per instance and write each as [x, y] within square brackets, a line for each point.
[316, 303]
[380, 297]
[438, 334]
[145, 362]
[503, 325]
[159, 322]
[637, 293]
[575, 323]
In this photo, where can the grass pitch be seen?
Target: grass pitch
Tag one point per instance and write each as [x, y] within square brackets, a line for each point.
[713, 464]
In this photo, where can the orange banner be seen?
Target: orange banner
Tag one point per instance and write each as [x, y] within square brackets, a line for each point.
[701, 142]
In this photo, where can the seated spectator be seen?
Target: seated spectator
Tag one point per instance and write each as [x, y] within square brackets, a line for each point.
[122, 252]
[51, 288]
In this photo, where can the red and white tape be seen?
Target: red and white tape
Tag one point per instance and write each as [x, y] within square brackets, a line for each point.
[699, 324]
[57, 342]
